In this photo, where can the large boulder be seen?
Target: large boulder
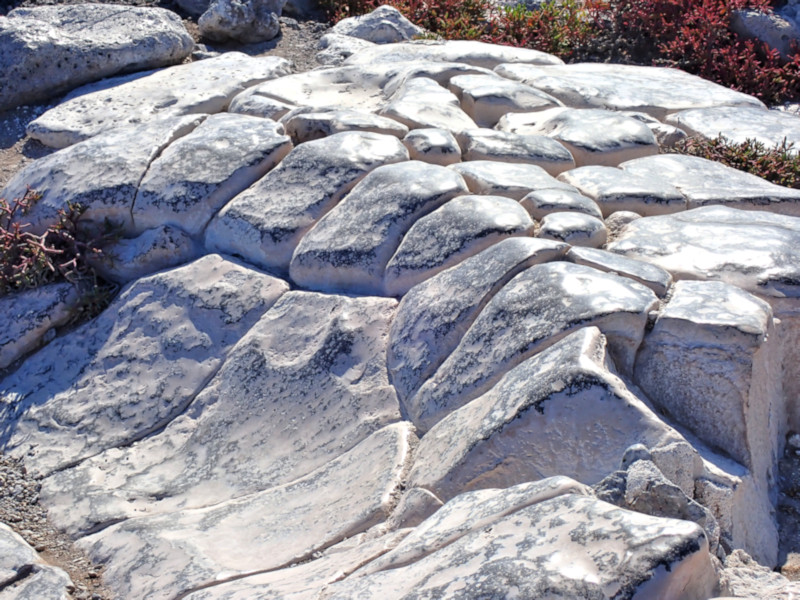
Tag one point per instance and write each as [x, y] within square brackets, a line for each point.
[48, 50]
[245, 21]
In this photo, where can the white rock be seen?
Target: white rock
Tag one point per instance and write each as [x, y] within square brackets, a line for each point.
[336, 47]
[593, 136]
[434, 146]
[705, 182]
[563, 411]
[771, 28]
[24, 575]
[507, 179]
[540, 204]
[350, 247]
[306, 384]
[486, 98]
[243, 21]
[206, 86]
[384, 25]
[616, 190]
[657, 91]
[477, 54]
[28, 317]
[667, 136]
[198, 174]
[461, 228]
[500, 146]
[154, 250]
[252, 102]
[47, 50]
[655, 278]
[574, 228]
[268, 530]
[743, 577]
[423, 103]
[313, 124]
[134, 368]
[532, 312]
[100, 174]
[265, 223]
[434, 315]
[740, 123]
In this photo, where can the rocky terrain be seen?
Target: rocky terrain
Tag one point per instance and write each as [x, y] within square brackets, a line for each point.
[436, 320]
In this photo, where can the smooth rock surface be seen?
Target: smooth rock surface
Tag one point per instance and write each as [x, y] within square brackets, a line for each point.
[649, 275]
[47, 50]
[133, 369]
[206, 86]
[533, 311]
[542, 203]
[242, 21]
[434, 315]
[265, 223]
[500, 146]
[574, 228]
[384, 25]
[434, 146]
[507, 179]
[350, 246]
[335, 48]
[461, 228]
[307, 126]
[656, 91]
[252, 102]
[198, 174]
[423, 103]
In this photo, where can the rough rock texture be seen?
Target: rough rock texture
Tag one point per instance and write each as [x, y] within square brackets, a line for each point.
[487, 144]
[47, 50]
[384, 25]
[434, 146]
[311, 125]
[244, 21]
[23, 573]
[507, 179]
[574, 228]
[542, 203]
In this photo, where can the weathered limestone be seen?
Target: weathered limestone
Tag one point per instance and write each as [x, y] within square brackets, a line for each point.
[265, 223]
[656, 91]
[540, 204]
[533, 311]
[243, 21]
[740, 123]
[198, 174]
[574, 228]
[461, 228]
[315, 124]
[206, 86]
[423, 103]
[500, 146]
[29, 317]
[134, 368]
[622, 190]
[384, 25]
[705, 182]
[477, 54]
[487, 98]
[434, 315]
[306, 384]
[615, 550]
[252, 102]
[350, 246]
[434, 146]
[649, 275]
[24, 575]
[335, 48]
[96, 175]
[507, 179]
[541, 419]
[47, 50]
[592, 136]
[268, 530]
[773, 28]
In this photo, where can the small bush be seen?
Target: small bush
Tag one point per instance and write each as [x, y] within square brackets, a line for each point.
[780, 164]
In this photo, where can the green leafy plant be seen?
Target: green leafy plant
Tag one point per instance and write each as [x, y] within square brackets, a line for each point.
[779, 164]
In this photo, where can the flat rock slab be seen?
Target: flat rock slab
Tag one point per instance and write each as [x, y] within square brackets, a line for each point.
[434, 146]
[265, 223]
[206, 86]
[574, 228]
[461, 228]
[592, 136]
[511, 180]
[561, 411]
[657, 91]
[740, 123]
[134, 368]
[349, 248]
[617, 190]
[705, 182]
[434, 315]
[267, 530]
[101, 174]
[487, 98]
[423, 103]
[649, 275]
[477, 54]
[198, 174]
[47, 50]
[28, 317]
[542, 203]
[533, 311]
[616, 550]
[315, 124]
[501, 146]
[306, 384]
[335, 48]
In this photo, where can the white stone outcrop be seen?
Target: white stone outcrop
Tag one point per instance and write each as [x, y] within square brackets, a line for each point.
[384, 25]
[243, 21]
